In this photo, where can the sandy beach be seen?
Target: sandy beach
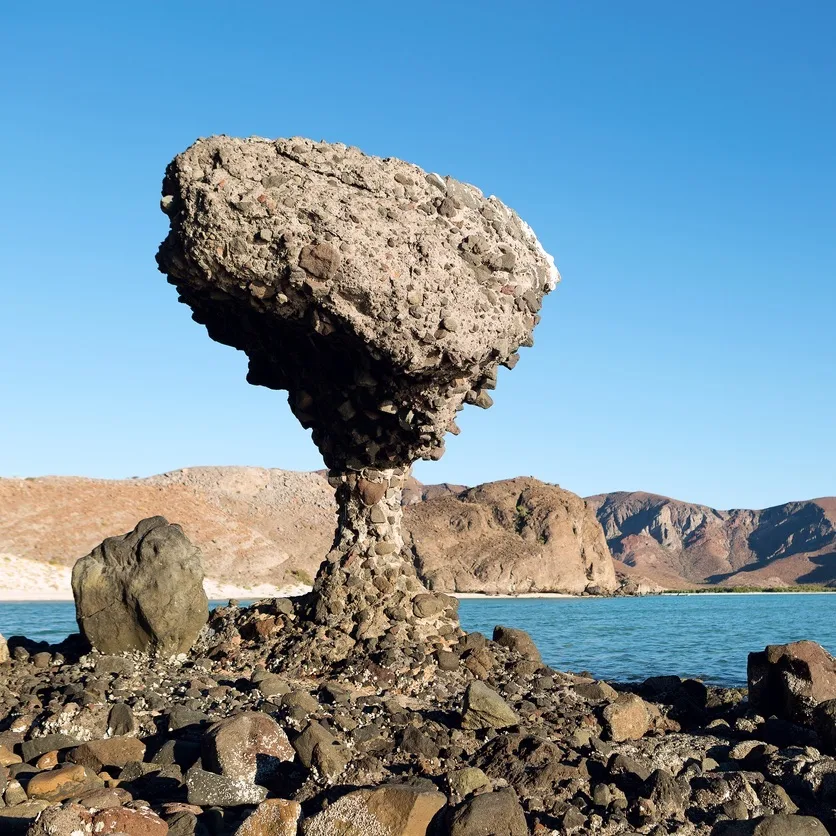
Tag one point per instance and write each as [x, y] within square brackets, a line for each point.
[22, 579]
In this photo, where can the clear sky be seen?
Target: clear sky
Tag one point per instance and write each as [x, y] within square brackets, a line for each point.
[678, 159]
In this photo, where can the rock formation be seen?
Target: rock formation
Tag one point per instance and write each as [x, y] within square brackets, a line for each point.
[517, 535]
[381, 297]
[142, 591]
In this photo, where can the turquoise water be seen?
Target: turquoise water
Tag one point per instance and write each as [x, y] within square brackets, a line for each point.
[622, 639]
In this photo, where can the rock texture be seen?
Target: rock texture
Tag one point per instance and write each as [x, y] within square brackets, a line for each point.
[382, 298]
[790, 680]
[517, 535]
[478, 739]
[142, 591]
[680, 545]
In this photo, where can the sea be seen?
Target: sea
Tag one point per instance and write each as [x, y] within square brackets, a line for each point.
[707, 636]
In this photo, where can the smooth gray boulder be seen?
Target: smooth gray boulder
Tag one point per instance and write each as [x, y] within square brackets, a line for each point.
[142, 591]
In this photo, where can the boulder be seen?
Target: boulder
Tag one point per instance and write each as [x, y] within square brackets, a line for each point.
[113, 751]
[382, 297]
[4, 651]
[490, 814]
[627, 718]
[388, 810]
[247, 747]
[517, 640]
[318, 748]
[142, 591]
[824, 722]
[485, 709]
[789, 680]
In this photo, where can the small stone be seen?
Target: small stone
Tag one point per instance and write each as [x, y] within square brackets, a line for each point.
[495, 813]
[627, 718]
[317, 747]
[47, 761]
[272, 685]
[463, 782]
[517, 640]
[247, 747]
[273, 817]
[72, 820]
[120, 721]
[484, 708]
[7, 757]
[33, 749]
[42, 660]
[132, 822]
[206, 789]
[596, 691]
[319, 260]
[371, 492]
[62, 783]
[483, 400]
[434, 180]
[447, 660]
[112, 752]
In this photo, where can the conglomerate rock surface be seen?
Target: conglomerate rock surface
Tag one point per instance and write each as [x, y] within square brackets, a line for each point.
[380, 296]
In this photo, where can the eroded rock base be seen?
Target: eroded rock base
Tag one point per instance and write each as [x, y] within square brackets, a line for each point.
[367, 598]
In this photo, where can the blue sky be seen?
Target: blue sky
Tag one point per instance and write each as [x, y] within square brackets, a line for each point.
[677, 159]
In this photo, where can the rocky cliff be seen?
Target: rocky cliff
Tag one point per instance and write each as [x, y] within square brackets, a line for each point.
[679, 544]
[258, 526]
[517, 535]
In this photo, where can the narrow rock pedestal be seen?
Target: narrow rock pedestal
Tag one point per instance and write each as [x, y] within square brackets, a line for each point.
[368, 586]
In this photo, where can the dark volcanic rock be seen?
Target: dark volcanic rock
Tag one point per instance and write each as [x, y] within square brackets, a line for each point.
[141, 591]
[517, 640]
[789, 680]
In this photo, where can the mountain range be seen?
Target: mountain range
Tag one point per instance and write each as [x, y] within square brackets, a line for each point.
[260, 526]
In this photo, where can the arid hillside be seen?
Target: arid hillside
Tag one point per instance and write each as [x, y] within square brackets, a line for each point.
[681, 545]
[258, 526]
[518, 535]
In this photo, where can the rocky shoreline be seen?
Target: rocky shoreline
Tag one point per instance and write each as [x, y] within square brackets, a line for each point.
[268, 727]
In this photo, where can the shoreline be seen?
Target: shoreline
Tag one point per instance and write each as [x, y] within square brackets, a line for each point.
[216, 591]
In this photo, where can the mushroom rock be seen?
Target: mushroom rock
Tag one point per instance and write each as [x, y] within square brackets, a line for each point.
[382, 298]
